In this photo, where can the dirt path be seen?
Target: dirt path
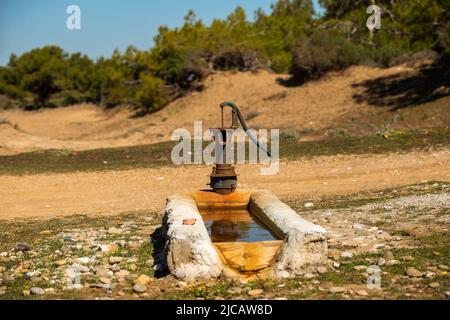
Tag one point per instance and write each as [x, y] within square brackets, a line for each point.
[49, 195]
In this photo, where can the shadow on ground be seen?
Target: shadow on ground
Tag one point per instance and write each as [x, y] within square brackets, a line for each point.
[405, 89]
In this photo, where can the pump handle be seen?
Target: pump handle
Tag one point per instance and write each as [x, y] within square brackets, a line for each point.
[236, 114]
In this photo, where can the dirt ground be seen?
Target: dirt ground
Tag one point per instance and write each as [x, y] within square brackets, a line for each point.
[49, 195]
[401, 232]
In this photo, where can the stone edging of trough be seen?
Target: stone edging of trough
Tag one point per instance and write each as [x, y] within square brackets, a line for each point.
[191, 255]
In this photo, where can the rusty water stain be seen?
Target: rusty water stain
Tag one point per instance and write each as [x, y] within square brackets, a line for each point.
[235, 226]
[245, 244]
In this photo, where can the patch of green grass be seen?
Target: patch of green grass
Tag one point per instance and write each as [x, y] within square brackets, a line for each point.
[157, 155]
[203, 291]
[375, 144]
[402, 233]
[147, 156]
[33, 231]
[430, 250]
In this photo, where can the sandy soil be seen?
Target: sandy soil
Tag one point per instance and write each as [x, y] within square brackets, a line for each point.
[49, 195]
[316, 106]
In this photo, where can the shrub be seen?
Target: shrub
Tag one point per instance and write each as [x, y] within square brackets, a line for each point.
[324, 51]
[151, 93]
[237, 59]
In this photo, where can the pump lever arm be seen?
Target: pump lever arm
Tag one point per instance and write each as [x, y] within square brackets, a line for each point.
[236, 114]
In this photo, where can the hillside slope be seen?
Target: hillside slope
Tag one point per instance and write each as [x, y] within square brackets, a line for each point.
[312, 110]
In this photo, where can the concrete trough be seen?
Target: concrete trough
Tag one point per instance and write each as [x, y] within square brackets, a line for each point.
[245, 234]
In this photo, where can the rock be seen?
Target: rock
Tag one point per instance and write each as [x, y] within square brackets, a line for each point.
[358, 226]
[65, 249]
[133, 245]
[283, 274]
[381, 262]
[235, 290]
[114, 231]
[104, 280]
[33, 273]
[109, 248]
[378, 246]
[337, 290]
[346, 255]
[114, 260]
[3, 290]
[132, 267]
[443, 267]
[8, 277]
[115, 267]
[362, 293]
[308, 205]
[322, 270]
[103, 272]
[139, 288]
[143, 279]
[393, 262]
[255, 292]
[132, 260]
[35, 279]
[26, 293]
[121, 243]
[434, 285]
[100, 286]
[413, 272]
[131, 277]
[447, 294]
[122, 273]
[35, 291]
[189, 222]
[388, 255]
[360, 268]
[22, 247]
[82, 260]
[334, 254]
[408, 258]
[336, 265]
[60, 262]
[433, 268]
[441, 91]
[309, 275]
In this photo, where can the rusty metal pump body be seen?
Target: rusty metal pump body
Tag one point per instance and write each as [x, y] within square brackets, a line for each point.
[223, 178]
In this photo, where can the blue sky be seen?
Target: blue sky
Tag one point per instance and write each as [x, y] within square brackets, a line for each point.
[105, 25]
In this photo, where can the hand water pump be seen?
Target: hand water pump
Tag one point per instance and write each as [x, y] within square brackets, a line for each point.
[223, 178]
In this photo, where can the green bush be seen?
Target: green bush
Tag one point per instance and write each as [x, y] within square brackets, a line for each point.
[288, 38]
[324, 51]
[151, 93]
